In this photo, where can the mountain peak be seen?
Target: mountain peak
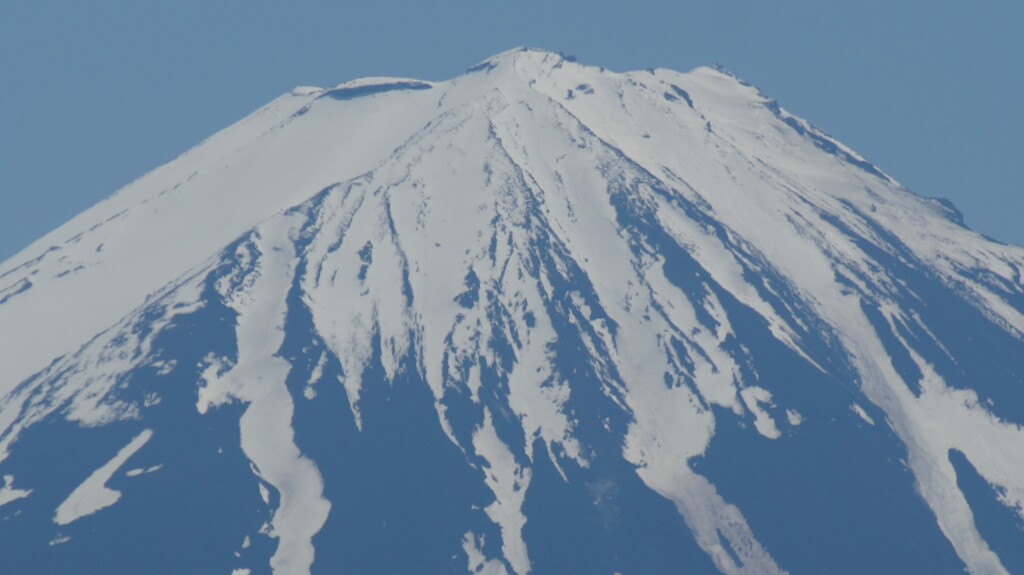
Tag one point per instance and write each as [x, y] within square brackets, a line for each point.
[539, 318]
[525, 60]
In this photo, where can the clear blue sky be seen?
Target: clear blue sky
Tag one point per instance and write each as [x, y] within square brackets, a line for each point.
[94, 94]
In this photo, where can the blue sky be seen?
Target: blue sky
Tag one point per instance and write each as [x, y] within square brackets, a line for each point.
[94, 94]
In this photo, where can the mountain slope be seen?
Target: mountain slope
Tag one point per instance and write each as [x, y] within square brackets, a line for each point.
[539, 318]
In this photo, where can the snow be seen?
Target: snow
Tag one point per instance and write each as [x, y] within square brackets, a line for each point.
[479, 564]
[862, 414]
[309, 392]
[81, 382]
[508, 481]
[792, 184]
[93, 495]
[8, 493]
[793, 417]
[140, 471]
[754, 398]
[158, 227]
[258, 294]
[424, 210]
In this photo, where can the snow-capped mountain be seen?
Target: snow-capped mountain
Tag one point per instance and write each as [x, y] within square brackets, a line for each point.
[540, 318]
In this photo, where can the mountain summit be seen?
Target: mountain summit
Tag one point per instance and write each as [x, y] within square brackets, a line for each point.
[540, 318]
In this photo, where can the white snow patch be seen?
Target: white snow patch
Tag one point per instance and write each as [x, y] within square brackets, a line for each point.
[151, 399]
[793, 417]
[508, 481]
[140, 471]
[479, 564]
[754, 398]
[862, 414]
[538, 395]
[670, 427]
[166, 222]
[83, 381]
[309, 391]
[165, 367]
[8, 493]
[93, 495]
[258, 379]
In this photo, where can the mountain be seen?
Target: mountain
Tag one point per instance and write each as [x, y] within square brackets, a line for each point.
[540, 318]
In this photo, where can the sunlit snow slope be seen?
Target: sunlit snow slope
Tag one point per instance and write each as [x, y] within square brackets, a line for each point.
[541, 318]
